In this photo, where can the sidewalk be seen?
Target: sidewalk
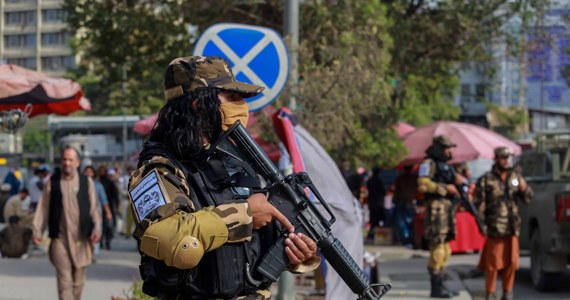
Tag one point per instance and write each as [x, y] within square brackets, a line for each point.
[34, 278]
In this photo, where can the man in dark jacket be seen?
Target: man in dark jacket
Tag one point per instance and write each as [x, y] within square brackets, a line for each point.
[376, 193]
[14, 239]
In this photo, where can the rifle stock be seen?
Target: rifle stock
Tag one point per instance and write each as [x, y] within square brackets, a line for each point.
[288, 195]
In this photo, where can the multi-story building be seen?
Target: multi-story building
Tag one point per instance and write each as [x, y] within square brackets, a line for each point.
[34, 35]
[534, 80]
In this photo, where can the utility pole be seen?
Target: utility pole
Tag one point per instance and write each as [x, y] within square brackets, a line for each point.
[291, 27]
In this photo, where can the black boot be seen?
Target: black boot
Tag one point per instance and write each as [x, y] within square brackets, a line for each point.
[451, 292]
[437, 288]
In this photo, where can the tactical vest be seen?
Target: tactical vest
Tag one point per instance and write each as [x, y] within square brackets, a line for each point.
[444, 173]
[226, 272]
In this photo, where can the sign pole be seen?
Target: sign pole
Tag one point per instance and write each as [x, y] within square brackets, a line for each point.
[291, 26]
[287, 289]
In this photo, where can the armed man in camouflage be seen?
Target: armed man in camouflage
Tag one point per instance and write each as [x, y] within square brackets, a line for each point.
[201, 228]
[437, 179]
[497, 195]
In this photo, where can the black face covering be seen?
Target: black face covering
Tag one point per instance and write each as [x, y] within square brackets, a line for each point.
[437, 152]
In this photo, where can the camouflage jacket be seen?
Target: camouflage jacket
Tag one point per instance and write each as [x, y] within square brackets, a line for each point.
[232, 219]
[230, 222]
[440, 213]
[497, 202]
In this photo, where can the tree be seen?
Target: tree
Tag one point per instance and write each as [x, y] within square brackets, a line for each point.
[363, 64]
[125, 46]
[432, 39]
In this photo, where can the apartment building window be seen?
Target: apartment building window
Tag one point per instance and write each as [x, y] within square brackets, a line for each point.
[20, 41]
[21, 18]
[465, 93]
[58, 63]
[26, 62]
[480, 90]
[53, 15]
[54, 39]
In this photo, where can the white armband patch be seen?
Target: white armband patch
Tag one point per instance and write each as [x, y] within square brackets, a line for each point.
[147, 195]
[424, 170]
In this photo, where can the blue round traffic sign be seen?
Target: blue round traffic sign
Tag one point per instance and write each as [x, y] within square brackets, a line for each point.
[256, 54]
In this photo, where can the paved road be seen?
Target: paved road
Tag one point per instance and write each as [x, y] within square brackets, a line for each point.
[411, 281]
[116, 270]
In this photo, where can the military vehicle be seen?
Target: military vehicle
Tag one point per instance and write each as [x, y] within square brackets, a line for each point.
[545, 228]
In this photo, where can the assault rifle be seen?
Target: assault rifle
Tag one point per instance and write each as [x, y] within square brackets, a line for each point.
[464, 200]
[288, 195]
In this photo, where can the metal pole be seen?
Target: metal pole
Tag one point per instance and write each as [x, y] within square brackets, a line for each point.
[125, 152]
[291, 27]
[124, 88]
[286, 289]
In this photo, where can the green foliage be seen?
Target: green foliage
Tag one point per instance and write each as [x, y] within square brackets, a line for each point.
[344, 96]
[363, 65]
[125, 46]
[510, 120]
[135, 293]
[432, 39]
[36, 141]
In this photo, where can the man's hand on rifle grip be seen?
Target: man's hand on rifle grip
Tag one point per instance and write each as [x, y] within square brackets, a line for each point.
[299, 248]
[263, 212]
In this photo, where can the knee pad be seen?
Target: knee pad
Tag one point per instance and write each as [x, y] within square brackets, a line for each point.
[438, 257]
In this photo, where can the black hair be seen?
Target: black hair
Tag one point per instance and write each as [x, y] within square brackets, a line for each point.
[437, 152]
[185, 123]
[90, 167]
[24, 190]
[376, 170]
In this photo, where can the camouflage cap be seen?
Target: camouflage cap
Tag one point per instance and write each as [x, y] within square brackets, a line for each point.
[186, 74]
[502, 152]
[443, 140]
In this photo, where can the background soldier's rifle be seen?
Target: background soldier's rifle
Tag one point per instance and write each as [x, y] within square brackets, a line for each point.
[288, 195]
[463, 189]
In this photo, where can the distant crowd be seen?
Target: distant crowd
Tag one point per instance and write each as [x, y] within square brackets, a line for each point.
[391, 200]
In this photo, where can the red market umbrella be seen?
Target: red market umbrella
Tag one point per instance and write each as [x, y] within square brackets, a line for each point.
[472, 141]
[403, 128]
[144, 126]
[47, 95]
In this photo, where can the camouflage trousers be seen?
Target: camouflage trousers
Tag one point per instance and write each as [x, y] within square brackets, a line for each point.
[259, 295]
[440, 222]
